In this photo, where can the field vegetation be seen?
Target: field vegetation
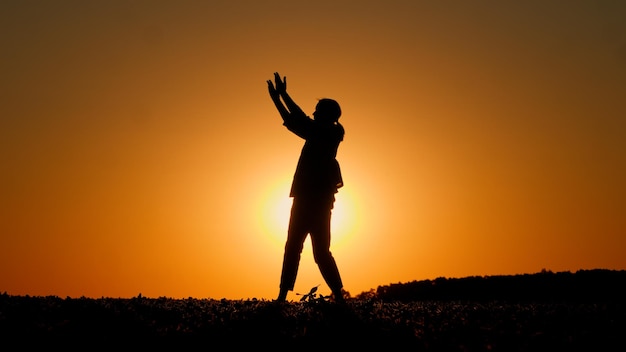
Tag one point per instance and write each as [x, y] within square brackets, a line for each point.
[582, 311]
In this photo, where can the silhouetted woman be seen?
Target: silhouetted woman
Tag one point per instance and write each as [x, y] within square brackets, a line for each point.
[315, 182]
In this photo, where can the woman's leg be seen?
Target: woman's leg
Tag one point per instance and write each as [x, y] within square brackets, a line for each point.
[320, 241]
[296, 235]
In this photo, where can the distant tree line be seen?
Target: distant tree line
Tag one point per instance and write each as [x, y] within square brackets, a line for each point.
[597, 285]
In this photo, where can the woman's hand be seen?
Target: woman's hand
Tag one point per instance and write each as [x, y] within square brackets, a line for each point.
[271, 89]
[281, 85]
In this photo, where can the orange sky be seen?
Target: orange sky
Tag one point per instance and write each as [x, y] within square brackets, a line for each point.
[141, 153]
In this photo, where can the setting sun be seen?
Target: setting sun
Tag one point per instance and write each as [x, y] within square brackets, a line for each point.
[272, 212]
[274, 208]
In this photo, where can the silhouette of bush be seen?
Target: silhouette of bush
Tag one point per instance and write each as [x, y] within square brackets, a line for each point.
[596, 285]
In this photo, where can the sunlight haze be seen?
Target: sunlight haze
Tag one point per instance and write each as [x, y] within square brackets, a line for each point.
[141, 152]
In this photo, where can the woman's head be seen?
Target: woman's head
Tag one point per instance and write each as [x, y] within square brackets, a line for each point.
[327, 110]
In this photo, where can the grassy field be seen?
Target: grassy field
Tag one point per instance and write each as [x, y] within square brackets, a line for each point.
[28, 323]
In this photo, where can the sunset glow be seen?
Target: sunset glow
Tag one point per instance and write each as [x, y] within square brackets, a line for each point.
[141, 152]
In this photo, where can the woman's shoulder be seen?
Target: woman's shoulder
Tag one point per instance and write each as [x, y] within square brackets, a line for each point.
[340, 130]
[325, 130]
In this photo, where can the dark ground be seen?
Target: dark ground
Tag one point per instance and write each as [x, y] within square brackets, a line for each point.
[202, 324]
[372, 321]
